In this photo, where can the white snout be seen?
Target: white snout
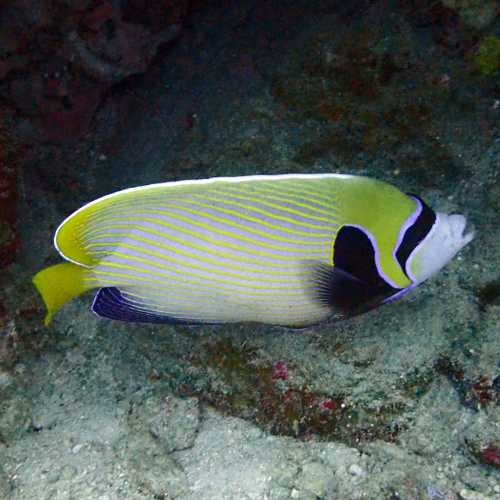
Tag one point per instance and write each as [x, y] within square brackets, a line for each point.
[444, 240]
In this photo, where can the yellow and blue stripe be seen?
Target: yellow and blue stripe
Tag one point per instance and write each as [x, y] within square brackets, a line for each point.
[217, 250]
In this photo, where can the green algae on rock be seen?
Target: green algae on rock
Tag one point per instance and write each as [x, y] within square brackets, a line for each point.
[487, 58]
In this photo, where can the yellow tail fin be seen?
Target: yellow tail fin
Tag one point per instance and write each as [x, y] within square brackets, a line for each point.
[60, 283]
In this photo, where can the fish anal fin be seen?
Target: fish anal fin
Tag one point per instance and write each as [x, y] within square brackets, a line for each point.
[110, 303]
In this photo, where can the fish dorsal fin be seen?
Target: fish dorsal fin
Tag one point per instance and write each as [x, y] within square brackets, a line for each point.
[73, 236]
[69, 239]
[76, 237]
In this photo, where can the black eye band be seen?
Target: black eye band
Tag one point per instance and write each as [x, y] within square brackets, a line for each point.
[416, 232]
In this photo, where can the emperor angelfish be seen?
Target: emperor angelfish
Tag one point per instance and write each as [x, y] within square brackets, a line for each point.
[288, 250]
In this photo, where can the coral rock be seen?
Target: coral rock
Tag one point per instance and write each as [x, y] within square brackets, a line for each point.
[477, 14]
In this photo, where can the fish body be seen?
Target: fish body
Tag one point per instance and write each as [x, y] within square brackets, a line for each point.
[289, 250]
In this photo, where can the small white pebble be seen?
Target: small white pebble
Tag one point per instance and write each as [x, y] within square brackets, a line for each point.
[294, 493]
[77, 448]
[355, 470]
[471, 495]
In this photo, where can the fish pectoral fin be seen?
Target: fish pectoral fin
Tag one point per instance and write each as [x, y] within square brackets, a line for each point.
[110, 303]
[60, 283]
[341, 290]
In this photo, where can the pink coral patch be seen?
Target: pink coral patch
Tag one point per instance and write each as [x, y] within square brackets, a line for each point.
[491, 455]
[280, 370]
